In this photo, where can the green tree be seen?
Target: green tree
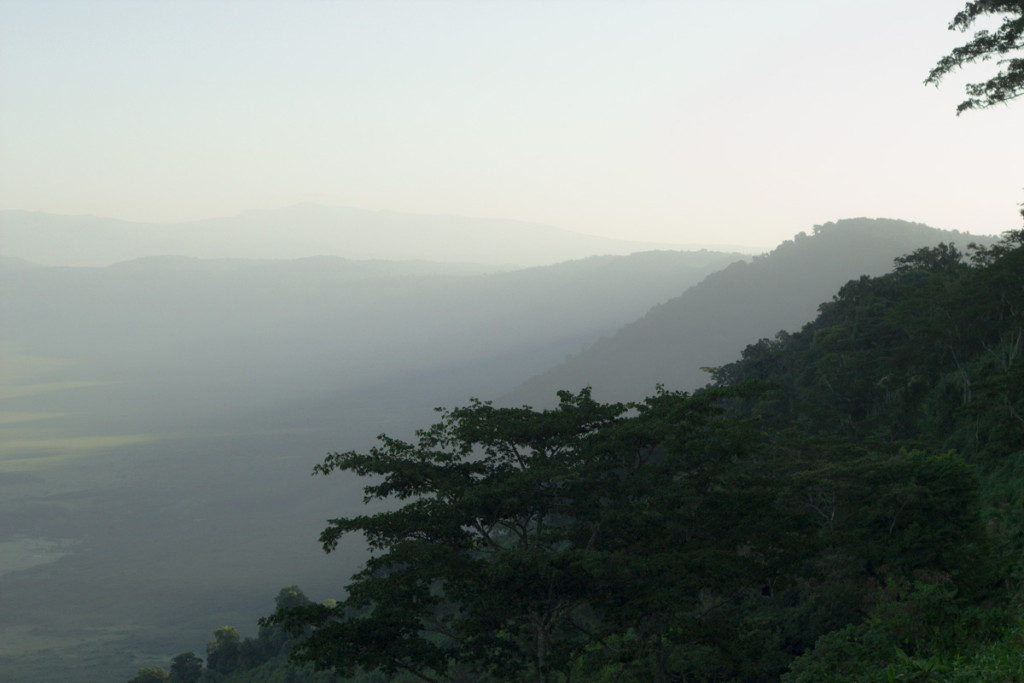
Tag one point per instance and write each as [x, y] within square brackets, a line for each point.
[529, 541]
[223, 653]
[151, 674]
[1003, 43]
[290, 596]
[186, 668]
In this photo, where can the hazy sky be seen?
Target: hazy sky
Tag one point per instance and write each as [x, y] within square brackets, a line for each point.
[694, 120]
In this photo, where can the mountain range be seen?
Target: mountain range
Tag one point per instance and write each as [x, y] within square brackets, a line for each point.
[709, 324]
[305, 230]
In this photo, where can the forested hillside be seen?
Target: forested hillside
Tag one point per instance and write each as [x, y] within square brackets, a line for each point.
[710, 323]
[846, 504]
[923, 366]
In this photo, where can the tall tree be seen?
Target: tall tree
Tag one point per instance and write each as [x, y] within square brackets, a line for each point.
[531, 540]
[186, 668]
[223, 653]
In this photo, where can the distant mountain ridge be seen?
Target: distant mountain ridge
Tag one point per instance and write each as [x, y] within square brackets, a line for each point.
[288, 329]
[711, 323]
[305, 230]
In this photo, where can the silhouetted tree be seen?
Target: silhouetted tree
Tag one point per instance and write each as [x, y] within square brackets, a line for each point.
[186, 668]
[223, 653]
[151, 674]
[531, 540]
[1007, 40]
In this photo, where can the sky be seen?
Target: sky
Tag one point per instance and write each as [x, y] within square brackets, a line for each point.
[691, 121]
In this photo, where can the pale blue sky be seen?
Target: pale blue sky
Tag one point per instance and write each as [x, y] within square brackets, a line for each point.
[688, 121]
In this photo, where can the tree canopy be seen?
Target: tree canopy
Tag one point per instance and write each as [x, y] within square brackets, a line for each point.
[1006, 44]
[538, 544]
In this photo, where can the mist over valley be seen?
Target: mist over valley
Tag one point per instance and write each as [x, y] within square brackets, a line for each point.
[162, 415]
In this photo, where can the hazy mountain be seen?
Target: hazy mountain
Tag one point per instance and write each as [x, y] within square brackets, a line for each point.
[310, 267]
[305, 230]
[9, 263]
[711, 323]
[227, 336]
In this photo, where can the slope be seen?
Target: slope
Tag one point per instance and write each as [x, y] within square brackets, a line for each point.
[710, 323]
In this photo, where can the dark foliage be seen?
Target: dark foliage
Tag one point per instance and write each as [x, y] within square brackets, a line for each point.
[1005, 44]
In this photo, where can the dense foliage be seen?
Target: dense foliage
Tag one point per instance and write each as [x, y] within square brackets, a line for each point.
[929, 357]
